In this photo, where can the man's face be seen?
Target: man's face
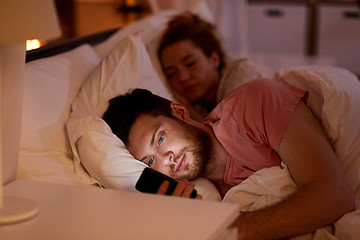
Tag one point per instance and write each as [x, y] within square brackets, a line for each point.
[170, 146]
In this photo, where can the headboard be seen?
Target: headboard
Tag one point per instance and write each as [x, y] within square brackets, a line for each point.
[56, 48]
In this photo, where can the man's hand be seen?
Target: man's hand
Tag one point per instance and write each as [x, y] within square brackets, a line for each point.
[183, 189]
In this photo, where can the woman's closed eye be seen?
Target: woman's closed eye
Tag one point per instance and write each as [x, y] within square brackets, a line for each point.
[170, 73]
[189, 64]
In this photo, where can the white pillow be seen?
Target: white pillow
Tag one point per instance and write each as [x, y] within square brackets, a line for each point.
[126, 66]
[334, 97]
[150, 28]
[51, 85]
[105, 156]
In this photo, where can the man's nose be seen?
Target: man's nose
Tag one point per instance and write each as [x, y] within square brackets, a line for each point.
[167, 157]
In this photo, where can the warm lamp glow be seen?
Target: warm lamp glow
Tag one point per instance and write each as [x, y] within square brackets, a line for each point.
[130, 3]
[32, 44]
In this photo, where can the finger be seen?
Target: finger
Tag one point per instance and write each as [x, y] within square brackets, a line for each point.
[188, 189]
[163, 188]
[180, 187]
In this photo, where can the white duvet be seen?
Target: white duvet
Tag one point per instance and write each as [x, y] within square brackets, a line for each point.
[270, 185]
[334, 95]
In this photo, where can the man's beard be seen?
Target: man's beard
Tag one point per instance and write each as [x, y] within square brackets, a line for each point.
[201, 149]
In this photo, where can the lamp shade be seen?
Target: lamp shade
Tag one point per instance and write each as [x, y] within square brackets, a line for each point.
[27, 19]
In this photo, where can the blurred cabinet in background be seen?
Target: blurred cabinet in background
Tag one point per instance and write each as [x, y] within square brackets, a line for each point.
[283, 33]
[339, 35]
[277, 29]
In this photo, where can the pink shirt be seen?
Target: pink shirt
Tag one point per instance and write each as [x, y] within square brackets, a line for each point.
[250, 123]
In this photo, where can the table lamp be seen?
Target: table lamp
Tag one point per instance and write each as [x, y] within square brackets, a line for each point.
[20, 20]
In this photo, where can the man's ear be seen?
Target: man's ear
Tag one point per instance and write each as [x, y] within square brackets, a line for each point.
[180, 111]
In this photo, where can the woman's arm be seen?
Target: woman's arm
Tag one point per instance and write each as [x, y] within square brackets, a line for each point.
[323, 194]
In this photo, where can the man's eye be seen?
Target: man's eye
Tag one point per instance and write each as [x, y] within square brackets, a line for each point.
[161, 139]
[151, 161]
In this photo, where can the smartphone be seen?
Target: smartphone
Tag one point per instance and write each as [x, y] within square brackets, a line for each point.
[150, 181]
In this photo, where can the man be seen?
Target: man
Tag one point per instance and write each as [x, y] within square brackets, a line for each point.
[260, 124]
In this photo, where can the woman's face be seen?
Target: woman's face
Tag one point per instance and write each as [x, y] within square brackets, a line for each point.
[189, 72]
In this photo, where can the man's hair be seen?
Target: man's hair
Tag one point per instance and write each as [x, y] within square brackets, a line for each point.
[188, 26]
[125, 109]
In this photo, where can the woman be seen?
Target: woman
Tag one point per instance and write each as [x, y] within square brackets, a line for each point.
[194, 64]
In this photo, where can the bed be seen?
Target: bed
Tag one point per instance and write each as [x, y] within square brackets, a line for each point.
[67, 88]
